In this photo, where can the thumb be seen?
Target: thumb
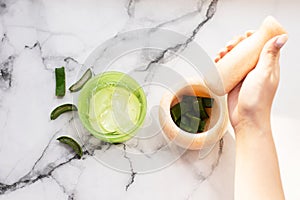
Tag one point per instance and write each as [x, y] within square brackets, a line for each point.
[270, 54]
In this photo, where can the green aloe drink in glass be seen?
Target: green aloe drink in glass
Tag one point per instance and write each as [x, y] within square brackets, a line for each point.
[112, 106]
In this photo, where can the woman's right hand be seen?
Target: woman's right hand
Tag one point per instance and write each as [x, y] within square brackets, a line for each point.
[250, 102]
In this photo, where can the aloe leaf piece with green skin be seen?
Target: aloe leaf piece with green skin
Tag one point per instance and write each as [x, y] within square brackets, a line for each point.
[176, 112]
[178, 122]
[184, 120]
[207, 102]
[201, 126]
[186, 128]
[60, 79]
[190, 114]
[185, 107]
[180, 109]
[188, 99]
[193, 122]
[82, 81]
[71, 143]
[62, 109]
[199, 109]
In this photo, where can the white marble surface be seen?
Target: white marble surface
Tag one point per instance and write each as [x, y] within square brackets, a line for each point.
[37, 36]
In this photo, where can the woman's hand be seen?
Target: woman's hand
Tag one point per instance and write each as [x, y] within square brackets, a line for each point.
[249, 103]
[249, 106]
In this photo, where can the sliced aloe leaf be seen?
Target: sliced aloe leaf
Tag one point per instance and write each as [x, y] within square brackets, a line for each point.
[62, 109]
[71, 143]
[186, 127]
[199, 109]
[60, 79]
[188, 99]
[176, 112]
[207, 102]
[185, 107]
[190, 114]
[193, 122]
[82, 81]
[184, 120]
[178, 122]
[201, 126]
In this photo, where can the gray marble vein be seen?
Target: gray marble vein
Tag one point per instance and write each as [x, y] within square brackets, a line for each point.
[6, 68]
[181, 46]
[183, 17]
[3, 6]
[131, 7]
[25, 181]
[203, 177]
[7, 64]
[133, 173]
[36, 174]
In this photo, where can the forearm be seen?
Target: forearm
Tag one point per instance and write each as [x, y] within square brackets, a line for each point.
[257, 171]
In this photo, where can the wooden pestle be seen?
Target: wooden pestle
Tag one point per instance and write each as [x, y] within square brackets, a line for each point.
[236, 64]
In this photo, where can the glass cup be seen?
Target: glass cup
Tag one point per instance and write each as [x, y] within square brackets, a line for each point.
[112, 106]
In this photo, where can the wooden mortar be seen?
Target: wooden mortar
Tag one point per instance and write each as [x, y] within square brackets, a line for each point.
[215, 127]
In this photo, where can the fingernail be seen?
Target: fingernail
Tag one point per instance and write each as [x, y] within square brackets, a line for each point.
[281, 40]
[217, 59]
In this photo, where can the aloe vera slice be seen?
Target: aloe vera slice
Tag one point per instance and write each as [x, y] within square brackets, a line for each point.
[185, 107]
[188, 99]
[82, 81]
[193, 122]
[60, 79]
[178, 122]
[180, 109]
[207, 102]
[190, 114]
[176, 112]
[62, 109]
[201, 126]
[71, 143]
[199, 109]
[186, 127]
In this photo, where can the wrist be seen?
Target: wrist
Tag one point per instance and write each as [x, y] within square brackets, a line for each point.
[253, 127]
